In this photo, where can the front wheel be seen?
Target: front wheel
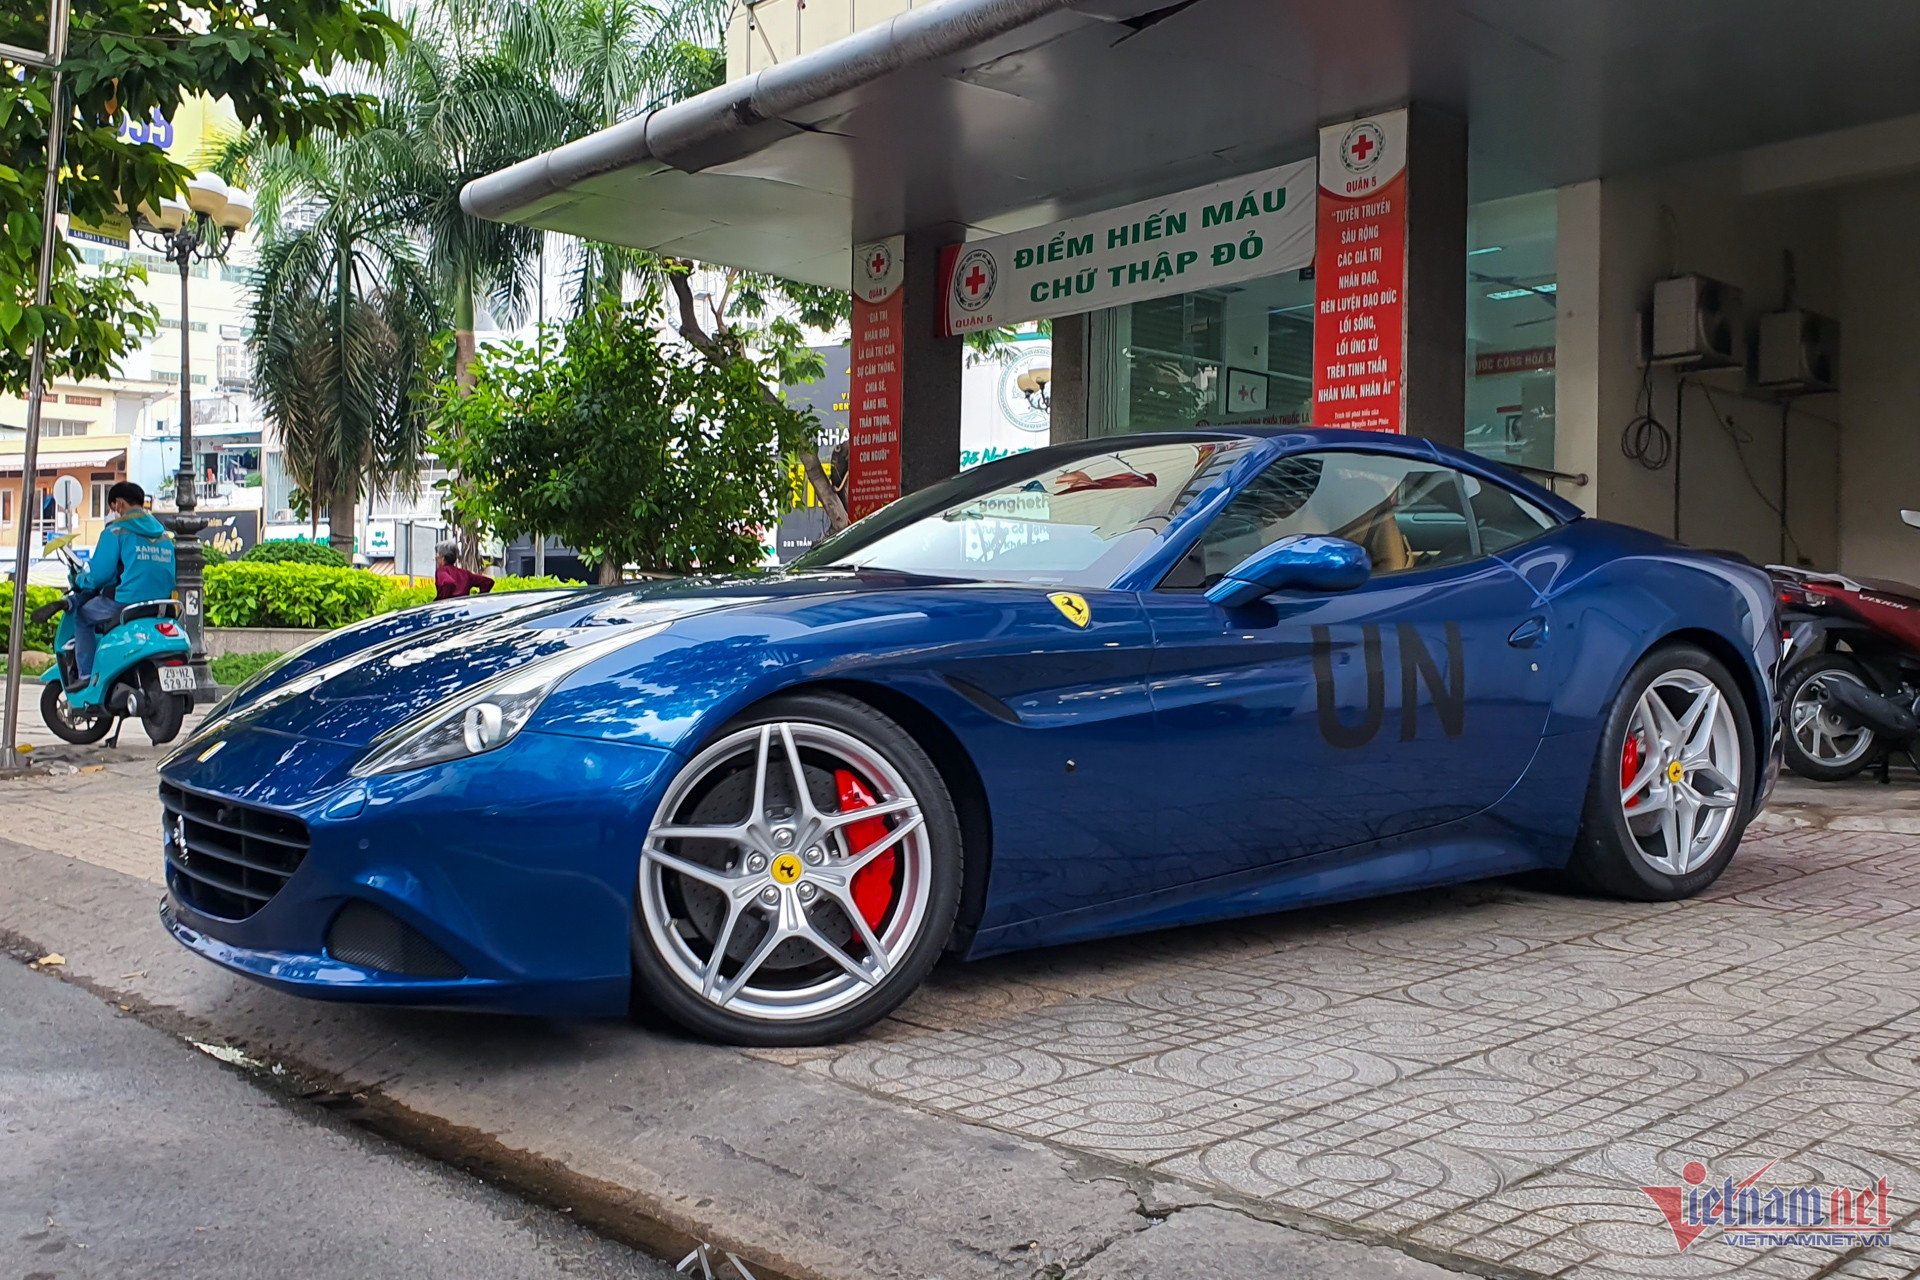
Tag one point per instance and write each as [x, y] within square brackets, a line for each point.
[70, 724]
[1672, 787]
[1822, 742]
[800, 876]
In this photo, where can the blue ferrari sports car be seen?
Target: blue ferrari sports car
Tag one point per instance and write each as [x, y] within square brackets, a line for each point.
[1088, 690]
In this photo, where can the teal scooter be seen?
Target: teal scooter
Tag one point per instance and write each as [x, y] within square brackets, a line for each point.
[139, 669]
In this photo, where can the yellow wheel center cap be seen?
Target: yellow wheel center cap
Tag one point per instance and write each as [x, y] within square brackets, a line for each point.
[1675, 772]
[787, 868]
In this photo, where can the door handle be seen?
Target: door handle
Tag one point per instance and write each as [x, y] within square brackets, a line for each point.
[1528, 634]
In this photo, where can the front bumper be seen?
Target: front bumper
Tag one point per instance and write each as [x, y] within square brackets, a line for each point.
[518, 864]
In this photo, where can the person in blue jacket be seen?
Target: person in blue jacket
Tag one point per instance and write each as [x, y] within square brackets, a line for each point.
[131, 564]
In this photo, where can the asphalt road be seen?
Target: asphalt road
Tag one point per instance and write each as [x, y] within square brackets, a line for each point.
[127, 1153]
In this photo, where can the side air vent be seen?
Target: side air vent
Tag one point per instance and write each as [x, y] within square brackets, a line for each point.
[365, 935]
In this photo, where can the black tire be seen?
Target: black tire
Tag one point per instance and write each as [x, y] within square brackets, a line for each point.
[1803, 674]
[656, 981]
[81, 731]
[1607, 855]
[169, 711]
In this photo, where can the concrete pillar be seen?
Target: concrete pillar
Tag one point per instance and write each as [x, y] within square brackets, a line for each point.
[930, 370]
[1436, 297]
[1608, 252]
[1577, 358]
[1069, 412]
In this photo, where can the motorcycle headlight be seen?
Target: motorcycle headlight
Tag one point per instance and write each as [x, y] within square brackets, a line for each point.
[486, 716]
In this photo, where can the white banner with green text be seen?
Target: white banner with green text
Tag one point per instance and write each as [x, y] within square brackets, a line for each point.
[1254, 225]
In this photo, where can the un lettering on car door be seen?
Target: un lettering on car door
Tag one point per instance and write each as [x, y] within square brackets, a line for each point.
[1421, 720]
[1446, 689]
[1342, 718]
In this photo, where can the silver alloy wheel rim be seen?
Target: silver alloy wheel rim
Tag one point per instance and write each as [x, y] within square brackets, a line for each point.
[749, 885]
[1683, 800]
[1814, 723]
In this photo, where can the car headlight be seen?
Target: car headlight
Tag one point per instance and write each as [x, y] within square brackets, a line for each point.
[488, 715]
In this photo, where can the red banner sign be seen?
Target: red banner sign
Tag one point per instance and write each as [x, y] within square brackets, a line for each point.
[875, 381]
[1359, 266]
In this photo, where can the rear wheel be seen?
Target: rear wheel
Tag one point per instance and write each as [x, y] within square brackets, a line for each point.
[1822, 743]
[162, 713]
[70, 724]
[1672, 788]
[799, 878]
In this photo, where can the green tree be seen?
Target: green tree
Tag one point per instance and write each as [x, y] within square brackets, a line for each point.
[764, 314]
[632, 450]
[129, 59]
[344, 315]
[468, 112]
[609, 60]
[615, 59]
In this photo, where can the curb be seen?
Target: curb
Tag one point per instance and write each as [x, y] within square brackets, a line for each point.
[804, 1179]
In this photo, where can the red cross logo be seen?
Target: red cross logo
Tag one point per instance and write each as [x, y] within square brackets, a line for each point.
[879, 264]
[973, 280]
[1362, 148]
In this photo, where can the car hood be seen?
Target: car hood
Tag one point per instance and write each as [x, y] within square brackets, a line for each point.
[402, 672]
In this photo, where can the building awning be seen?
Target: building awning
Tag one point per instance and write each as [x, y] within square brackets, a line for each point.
[989, 116]
[52, 463]
[205, 431]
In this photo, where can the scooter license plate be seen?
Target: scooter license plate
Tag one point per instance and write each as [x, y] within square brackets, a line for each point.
[176, 679]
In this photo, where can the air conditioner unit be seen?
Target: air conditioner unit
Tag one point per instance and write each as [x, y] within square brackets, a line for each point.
[1698, 322]
[1799, 352]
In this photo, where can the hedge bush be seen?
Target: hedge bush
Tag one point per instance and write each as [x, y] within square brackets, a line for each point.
[289, 595]
[38, 636]
[401, 596]
[295, 551]
[305, 595]
[237, 668]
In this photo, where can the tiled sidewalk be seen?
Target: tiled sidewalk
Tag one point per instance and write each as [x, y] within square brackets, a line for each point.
[100, 805]
[1494, 1071]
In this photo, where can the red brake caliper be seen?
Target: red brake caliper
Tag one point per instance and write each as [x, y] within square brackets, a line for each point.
[1630, 766]
[873, 883]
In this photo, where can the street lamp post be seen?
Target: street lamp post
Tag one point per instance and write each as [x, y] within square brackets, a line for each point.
[199, 229]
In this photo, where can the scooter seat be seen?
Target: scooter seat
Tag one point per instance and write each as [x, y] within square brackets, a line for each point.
[149, 609]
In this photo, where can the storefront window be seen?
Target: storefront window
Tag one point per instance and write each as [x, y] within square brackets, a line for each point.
[1230, 356]
[1511, 311]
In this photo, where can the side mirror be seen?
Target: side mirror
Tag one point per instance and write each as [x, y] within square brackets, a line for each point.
[1911, 517]
[1299, 563]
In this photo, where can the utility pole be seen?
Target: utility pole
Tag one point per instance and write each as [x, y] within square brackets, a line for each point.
[27, 513]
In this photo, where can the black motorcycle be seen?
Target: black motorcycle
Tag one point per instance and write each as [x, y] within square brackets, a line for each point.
[1851, 683]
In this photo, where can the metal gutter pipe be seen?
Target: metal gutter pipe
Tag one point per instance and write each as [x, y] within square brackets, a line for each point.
[677, 136]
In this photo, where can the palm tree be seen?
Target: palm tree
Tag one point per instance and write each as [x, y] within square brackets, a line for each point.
[468, 113]
[608, 61]
[344, 315]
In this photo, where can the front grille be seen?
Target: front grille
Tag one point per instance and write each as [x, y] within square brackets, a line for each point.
[227, 859]
[365, 935]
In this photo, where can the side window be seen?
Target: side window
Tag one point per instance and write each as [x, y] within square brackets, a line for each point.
[1504, 519]
[1407, 513]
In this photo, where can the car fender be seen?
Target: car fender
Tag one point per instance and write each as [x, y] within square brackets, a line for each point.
[1616, 594]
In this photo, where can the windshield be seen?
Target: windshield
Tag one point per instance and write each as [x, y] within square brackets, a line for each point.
[1075, 515]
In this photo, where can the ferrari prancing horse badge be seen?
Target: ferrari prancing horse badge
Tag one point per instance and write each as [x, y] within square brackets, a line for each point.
[1073, 606]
